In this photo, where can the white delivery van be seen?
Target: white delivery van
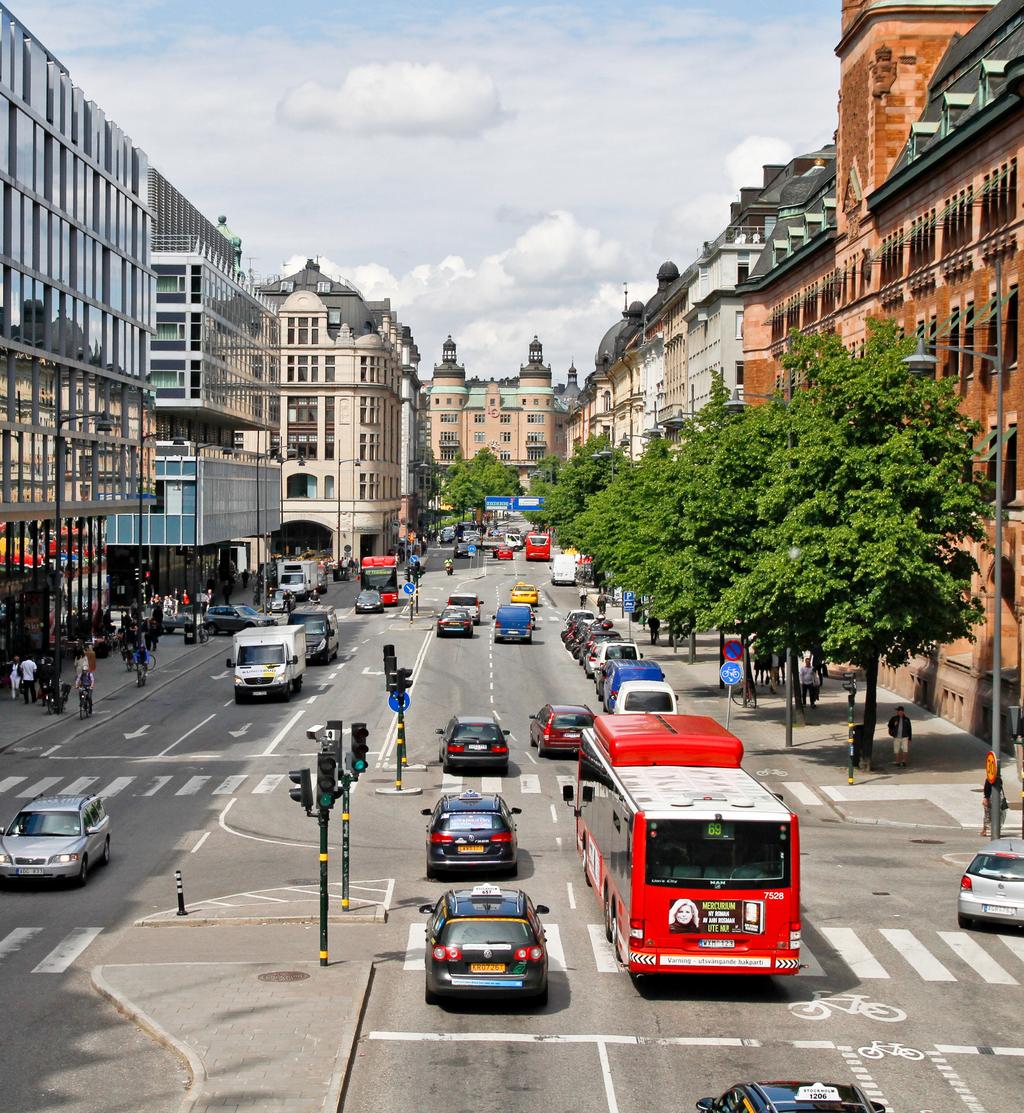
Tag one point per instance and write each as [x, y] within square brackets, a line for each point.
[268, 661]
[300, 577]
[563, 569]
[635, 697]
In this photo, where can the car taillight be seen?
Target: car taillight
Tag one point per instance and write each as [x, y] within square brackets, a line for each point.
[530, 954]
[547, 731]
[499, 749]
[794, 936]
[456, 748]
[636, 929]
[451, 954]
[441, 837]
[965, 883]
[501, 836]
[497, 624]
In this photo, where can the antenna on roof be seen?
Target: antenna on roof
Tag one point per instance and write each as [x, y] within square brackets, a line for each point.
[625, 296]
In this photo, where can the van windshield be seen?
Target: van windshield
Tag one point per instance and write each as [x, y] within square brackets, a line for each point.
[261, 654]
[314, 623]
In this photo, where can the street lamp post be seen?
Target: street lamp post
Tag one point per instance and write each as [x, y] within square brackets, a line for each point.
[922, 363]
[337, 491]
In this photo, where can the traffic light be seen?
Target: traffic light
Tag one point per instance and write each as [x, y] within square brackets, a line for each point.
[390, 665]
[360, 748]
[400, 680]
[303, 794]
[326, 780]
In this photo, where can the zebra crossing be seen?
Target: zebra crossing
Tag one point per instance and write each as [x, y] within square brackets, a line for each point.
[255, 784]
[61, 954]
[971, 962]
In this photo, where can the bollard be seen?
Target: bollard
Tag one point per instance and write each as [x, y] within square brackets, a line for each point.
[181, 893]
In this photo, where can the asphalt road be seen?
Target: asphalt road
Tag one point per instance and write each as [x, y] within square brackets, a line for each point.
[203, 788]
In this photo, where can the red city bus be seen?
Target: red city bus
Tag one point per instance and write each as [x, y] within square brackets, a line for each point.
[380, 573]
[694, 862]
[537, 546]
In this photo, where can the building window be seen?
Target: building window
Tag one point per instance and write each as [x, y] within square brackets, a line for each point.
[739, 324]
[449, 419]
[1010, 336]
[739, 372]
[328, 486]
[607, 401]
[506, 438]
[323, 287]
[328, 369]
[505, 419]
[302, 409]
[479, 438]
[170, 283]
[742, 266]
[170, 330]
[968, 360]
[705, 281]
[301, 486]
[334, 317]
[535, 419]
[535, 454]
[479, 419]
[505, 456]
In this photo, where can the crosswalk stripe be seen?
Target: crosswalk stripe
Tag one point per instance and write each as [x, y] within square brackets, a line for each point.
[490, 784]
[14, 940]
[529, 782]
[118, 784]
[917, 954]
[10, 782]
[79, 786]
[853, 952]
[158, 783]
[191, 786]
[556, 954]
[604, 955]
[39, 788]
[450, 783]
[66, 951]
[1015, 943]
[963, 946]
[230, 784]
[416, 947]
[268, 784]
[804, 793]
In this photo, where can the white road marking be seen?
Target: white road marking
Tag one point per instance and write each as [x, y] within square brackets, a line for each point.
[554, 814]
[79, 786]
[39, 788]
[918, 955]
[14, 940]
[606, 1074]
[163, 753]
[532, 758]
[416, 948]
[118, 784]
[490, 784]
[450, 783]
[803, 793]
[66, 951]
[281, 733]
[137, 733]
[529, 783]
[853, 952]
[191, 786]
[966, 948]
[604, 955]
[1015, 943]
[46, 753]
[312, 699]
[230, 784]
[571, 893]
[10, 782]
[158, 783]
[206, 835]
[268, 784]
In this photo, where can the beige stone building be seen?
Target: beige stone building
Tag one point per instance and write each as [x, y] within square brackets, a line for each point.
[520, 419]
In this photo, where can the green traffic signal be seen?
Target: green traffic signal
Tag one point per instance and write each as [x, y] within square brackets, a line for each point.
[360, 747]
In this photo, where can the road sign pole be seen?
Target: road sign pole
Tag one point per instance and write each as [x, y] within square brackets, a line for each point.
[728, 708]
[346, 782]
[324, 819]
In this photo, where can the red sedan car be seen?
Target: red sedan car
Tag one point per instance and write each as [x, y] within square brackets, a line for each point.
[503, 553]
[557, 727]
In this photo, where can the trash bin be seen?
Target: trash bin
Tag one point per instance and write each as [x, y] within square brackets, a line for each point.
[336, 575]
[190, 633]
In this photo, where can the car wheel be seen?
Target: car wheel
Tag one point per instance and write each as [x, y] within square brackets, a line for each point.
[431, 873]
[106, 851]
[83, 874]
[542, 997]
[964, 921]
[514, 870]
[609, 919]
[430, 997]
[286, 695]
[529, 639]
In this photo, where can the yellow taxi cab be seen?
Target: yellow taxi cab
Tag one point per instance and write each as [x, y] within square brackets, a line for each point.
[525, 593]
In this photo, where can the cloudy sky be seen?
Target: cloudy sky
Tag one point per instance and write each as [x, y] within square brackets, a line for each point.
[496, 170]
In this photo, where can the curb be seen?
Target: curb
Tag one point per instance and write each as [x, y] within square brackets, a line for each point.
[897, 823]
[346, 1051]
[150, 689]
[191, 1058]
[379, 916]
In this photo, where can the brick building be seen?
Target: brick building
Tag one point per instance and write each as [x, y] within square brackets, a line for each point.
[923, 202]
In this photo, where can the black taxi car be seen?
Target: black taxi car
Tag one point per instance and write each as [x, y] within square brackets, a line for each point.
[471, 832]
[485, 942]
[791, 1097]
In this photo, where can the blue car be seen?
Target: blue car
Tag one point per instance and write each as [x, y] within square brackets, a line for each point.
[513, 622]
[617, 672]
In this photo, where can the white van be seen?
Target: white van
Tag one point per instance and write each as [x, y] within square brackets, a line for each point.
[268, 661]
[645, 696]
[563, 569]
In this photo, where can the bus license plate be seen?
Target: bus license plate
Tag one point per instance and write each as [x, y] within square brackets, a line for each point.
[474, 849]
[487, 968]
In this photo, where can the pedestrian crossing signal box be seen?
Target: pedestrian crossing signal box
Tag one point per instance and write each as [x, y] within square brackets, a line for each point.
[303, 792]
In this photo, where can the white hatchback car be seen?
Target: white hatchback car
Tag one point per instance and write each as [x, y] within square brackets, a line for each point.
[992, 887]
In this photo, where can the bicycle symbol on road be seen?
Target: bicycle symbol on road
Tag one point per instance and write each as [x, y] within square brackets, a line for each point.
[772, 773]
[854, 1004]
[878, 1050]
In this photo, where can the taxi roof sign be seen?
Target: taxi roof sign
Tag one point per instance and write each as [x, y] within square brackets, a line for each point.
[817, 1091]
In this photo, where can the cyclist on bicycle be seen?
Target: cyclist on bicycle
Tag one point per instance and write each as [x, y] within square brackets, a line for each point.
[86, 681]
[141, 656]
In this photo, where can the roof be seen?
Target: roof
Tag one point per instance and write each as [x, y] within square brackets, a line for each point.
[57, 803]
[683, 792]
[471, 802]
[488, 900]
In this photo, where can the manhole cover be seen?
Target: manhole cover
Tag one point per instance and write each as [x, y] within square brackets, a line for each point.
[929, 842]
[881, 894]
[283, 976]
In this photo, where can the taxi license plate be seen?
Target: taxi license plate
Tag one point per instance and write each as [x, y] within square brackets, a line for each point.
[998, 910]
[31, 871]
[487, 968]
[473, 849]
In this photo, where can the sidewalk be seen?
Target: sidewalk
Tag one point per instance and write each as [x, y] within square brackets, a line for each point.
[261, 1026]
[940, 787]
[116, 691]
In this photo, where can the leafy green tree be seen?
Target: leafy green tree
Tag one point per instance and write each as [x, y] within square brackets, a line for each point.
[580, 477]
[467, 482]
[865, 523]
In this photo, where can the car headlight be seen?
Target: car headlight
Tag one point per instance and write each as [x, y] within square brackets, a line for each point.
[5, 859]
[63, 859]
[321, 643]
[239, 680]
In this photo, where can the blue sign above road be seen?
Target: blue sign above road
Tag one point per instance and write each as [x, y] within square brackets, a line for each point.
[393, 702]
[528, 502]
[471, 549]
[409, 588]
[731, 673]
[498, 502]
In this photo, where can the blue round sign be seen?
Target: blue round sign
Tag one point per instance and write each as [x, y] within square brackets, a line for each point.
[471, 549]
[731, 673]
[393, 702]
[409, 588]
[733, 650]
[414, 559]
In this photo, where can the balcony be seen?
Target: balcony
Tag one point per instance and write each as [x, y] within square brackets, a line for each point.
[738, 235]
[672, 417]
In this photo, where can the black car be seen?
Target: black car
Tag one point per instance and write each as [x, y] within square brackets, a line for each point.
[461, 550]
[471, 832]
[368, 602]
[791, 1097]
[473, 741]
[485, 942]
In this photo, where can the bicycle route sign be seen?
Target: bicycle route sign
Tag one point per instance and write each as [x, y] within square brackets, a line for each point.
[731, 673]
[733, 650]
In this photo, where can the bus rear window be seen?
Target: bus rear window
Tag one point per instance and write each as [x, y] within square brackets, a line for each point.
[737, 854]
[648, 701]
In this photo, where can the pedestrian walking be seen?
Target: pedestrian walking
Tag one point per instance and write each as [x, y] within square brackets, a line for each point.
[15, 677]
[289, 602]
[986, 804]
[900, 732]
[818, 661]
[602, 604]
[654, 625]
[583, 596]
[775, 672]
[808, 682]
[90, 656]
[150, 635]
[158, 611]
[28, 678]
[245, 580]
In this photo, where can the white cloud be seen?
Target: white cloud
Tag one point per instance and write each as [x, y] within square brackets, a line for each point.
[399, 98]
[744, 162]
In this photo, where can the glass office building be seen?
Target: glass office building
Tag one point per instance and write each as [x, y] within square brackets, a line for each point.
[77, 292]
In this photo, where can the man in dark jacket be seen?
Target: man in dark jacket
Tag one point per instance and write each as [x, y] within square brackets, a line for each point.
[900, 731]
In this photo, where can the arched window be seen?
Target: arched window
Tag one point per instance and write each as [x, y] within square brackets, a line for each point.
[607, 401]
[328, 486]
[301, 486]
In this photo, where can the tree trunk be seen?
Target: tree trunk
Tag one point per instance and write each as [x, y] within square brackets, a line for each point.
[870, 697]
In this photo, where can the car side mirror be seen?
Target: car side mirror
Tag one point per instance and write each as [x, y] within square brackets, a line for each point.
[426, 811]
[706, 1105]
[641, 656]
[541, 909]
[230, 664]
[426, 908]
[587, 792]
[295, 660]
[439, 730]
[877, 1107]
[568, 792]
[506, 733]
[517, 811]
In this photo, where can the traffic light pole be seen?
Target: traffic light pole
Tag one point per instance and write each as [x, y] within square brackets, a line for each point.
[324, 819]
[346, 782]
